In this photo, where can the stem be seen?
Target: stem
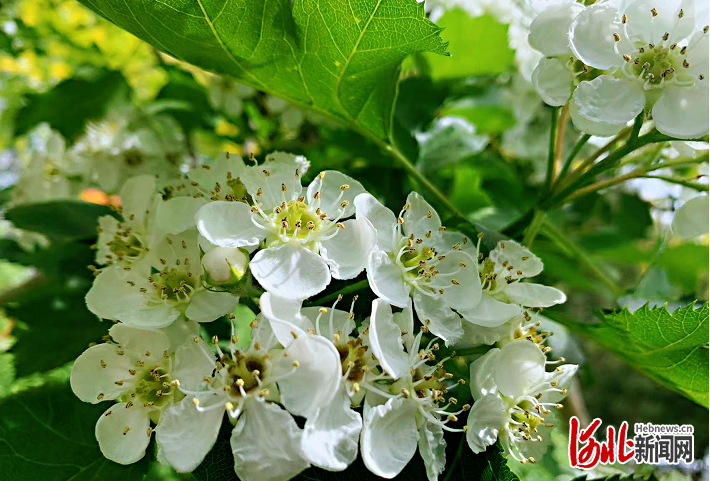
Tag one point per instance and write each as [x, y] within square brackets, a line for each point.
[568, 163]
[358, 286]
[684, 183]
[638, 123]
[551, 150]
[684, 162]
[470, 351]
[559, 142]
[558, 237]
[533, 228]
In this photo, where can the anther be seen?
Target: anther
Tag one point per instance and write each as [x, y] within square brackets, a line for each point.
[654, 12]
[296, 363]
[616, 37]
[195, 401]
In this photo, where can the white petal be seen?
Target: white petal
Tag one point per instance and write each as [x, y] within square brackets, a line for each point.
[650, 29]
[405, 321]
[520, 365]
[482, 374]
[330, 193]
[185, 435]
[281, 168]
[460, 267]
[475, 335]
[564, 380]
[140, 341]
[136, 195]
[518, 256]
[534, 295]
[386, 340]
[330, 436]
[548, 32]
[193, 361]
[292, 270]
[691, 219]
[591, 127]
[122, 433]
[285, 317]
[592, 37]
[110, 295]
[228, 224]
[442, 321]
[180, 331]
[91, 381]
[218, 172]
[389, 437]
[698, 56]
[381, 218]
[609, 99]
[485, 420]
[332, 322]
[206, 305]
[432, 448]
[552, 81]
[178, 214]
[266, 444]
[315, 381]
[682, 112]
[448, 240]
[420, 218]
[347, 252]
[386, 279]
[490, 312]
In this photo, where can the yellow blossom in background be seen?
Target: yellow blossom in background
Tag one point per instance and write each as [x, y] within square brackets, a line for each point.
[225, 128]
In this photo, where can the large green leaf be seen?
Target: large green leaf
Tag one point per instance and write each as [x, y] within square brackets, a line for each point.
[47, 433]
[71, 220]
[671, 348]
[340, 58]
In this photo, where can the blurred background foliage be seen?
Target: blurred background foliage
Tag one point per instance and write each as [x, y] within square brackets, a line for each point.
[84, 104]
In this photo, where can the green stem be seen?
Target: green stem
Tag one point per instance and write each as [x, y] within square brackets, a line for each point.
[636, 129]
[533, 228]
[684, 183]
[551, 149]
[570, 158]
[684, 162]
[470, 351]
[566, 244]
[358, 286]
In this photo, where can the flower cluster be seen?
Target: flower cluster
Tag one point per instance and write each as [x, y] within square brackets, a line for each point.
[187, 251]
[616, 60]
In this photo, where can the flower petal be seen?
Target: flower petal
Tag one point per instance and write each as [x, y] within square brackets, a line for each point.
[386, 279]
[650, 28]
[420, 218]
[223, 167]
[136, 195]
[178, 214]
[193, 361]
[185, 435]
[534, 295]
[563, 375]
[381, 218]
[458, 276]
[518, 256]
[691, 219]
[285, 317]
[552, 81]
[482, 374]
[122, 433]
[438, 317]
[140, 341]
[266, 443]
[292, 270]
[280, 168]
[228, 224]
[592, 38]
[682, 112]
[332, 195]
[519, 366]
[490, 312]
[389, 437]
[330, 436]
[591, 127]
[432, 448]
[548, 31]
[609, 99]
[347, 252]
[91, 381]
[206, 305]
[386, 340]
[485, 420]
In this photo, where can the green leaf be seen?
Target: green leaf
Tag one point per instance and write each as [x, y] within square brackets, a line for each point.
[48, 434]
[686, 265]
[69, 105]
[70, 220]
[478, 46]
[488, 113]
[183, 87]
[340, 58]
[669, 348]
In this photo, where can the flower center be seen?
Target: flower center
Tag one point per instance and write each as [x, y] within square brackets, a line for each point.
[174, 284]
[657, 64]
[126, 245]
[352, 359]
[153, 387]
[244, 373]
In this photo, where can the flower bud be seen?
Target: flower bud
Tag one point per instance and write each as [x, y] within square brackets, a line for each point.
[224, 265]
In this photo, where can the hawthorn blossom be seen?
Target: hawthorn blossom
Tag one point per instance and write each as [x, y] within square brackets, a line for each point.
[135, 369]
[657, 57]
[513, 393]
[414, 256]
[174, 288]
[246, 385]
[301, 238]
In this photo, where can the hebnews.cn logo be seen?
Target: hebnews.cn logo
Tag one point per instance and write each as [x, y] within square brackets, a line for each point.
[651, 444]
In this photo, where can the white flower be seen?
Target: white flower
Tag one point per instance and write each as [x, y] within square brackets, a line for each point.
[513, 394]
[137, 371]
[266, 441]
[658, 59]
[407, 414]
[415, 256]
[159, 298]
[224, 265]
[302, 238]
[691, 219]
[331, 433]
[216, 181]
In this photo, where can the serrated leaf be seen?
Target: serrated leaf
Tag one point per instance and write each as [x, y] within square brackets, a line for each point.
[340, 58]
[670, 348]
[69, 220]
[47, 433]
